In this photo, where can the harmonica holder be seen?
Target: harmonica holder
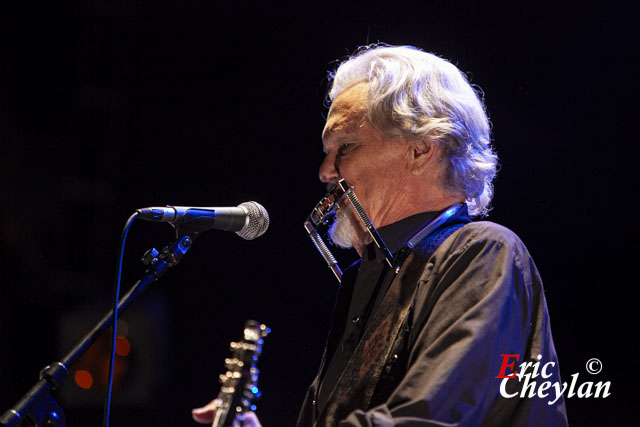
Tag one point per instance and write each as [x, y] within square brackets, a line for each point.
[320, 218]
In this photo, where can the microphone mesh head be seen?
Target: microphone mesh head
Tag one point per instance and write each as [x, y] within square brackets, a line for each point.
[258, 221]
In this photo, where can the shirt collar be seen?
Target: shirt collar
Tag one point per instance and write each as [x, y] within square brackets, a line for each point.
[396, 235]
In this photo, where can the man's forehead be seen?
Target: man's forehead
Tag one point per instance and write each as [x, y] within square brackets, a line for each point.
[343, 123]
[353, 98]
[347, 110]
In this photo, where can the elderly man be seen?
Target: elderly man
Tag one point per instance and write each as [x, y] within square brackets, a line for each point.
[435, 338]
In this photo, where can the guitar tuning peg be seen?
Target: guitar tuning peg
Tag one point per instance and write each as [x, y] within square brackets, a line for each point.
[228, 363]
[256, 391]
[239, 383]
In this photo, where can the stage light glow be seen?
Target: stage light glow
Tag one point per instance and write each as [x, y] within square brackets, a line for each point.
[83, 379]
[123, 347]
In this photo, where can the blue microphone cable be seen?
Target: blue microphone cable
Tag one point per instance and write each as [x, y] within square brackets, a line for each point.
[116, 298]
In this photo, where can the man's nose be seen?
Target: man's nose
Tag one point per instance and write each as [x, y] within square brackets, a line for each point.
[328, 172]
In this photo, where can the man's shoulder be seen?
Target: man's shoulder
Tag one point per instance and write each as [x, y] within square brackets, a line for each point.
[487, 232]
[482, 238]
[484, 248]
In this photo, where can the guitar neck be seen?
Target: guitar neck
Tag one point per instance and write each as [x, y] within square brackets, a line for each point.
[239, 385]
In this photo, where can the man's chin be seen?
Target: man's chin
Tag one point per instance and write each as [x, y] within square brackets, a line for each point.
[343, 232]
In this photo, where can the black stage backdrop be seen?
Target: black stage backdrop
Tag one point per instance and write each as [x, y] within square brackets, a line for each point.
[109, 106]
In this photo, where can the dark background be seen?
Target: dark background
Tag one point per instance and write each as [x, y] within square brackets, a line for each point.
[108, 106]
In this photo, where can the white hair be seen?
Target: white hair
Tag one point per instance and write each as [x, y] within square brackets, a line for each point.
[343, 231]
[416, 94]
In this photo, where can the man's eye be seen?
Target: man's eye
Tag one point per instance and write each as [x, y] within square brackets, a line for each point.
[344, 148]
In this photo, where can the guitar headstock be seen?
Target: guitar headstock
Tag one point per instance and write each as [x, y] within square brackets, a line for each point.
[239, 384]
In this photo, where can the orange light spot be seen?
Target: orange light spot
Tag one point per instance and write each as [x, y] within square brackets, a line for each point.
[83, 379]
[123, 347]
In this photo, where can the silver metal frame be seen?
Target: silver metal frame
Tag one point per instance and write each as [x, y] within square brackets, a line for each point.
[319, 217]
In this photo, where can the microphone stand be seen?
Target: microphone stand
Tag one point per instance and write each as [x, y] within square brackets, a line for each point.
[37, 408]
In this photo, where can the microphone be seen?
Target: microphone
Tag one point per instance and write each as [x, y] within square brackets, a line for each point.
[248, 220]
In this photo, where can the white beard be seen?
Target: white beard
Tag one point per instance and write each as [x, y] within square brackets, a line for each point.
[343, 232]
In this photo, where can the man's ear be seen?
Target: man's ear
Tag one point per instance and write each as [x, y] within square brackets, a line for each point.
[422, 152]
